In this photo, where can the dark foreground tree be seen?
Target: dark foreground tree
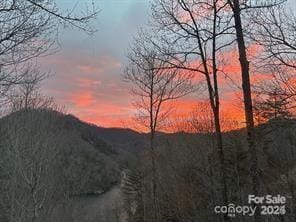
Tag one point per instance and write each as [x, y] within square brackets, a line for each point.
[194, 35]
[29, 29]
[275, 33]
[237, 8]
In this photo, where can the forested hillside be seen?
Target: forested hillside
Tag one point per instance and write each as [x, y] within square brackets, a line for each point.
[189, 182]
[47, 157]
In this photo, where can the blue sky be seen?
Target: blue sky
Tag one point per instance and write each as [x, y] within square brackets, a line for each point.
[88, 70]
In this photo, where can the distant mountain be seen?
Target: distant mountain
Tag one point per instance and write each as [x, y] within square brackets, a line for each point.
[91, 157]
[124, 139]
[100, 154]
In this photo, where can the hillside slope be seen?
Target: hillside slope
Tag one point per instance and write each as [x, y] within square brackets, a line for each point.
[87, 162]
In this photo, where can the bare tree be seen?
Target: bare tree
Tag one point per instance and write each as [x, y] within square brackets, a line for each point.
[26, 94]
[237, 8]
[244, 63]
[195, 34]
[28, 29]
[154, 89]
[275, 32]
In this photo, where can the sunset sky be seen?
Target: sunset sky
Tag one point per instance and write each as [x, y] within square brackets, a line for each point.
[87, 70]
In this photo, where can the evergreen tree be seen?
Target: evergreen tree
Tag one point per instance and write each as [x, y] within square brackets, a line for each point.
[275, 105]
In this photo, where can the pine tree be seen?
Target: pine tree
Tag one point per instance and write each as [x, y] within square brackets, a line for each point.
[276, 105]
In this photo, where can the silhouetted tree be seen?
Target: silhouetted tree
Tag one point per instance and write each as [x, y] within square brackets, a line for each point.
[274, 31]
[273, 105]
[27, 95]
[237, 8]
[28, 29]
[193, 34]
[153, 89]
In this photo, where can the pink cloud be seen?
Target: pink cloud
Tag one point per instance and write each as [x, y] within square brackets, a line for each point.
[83, 99]
[87, 82]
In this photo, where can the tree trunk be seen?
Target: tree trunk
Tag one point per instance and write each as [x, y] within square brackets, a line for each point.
[244, 63]
[154, 180]
[219, 141]
[215, 106]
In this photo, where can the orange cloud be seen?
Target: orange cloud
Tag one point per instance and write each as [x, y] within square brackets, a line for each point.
[92, 89]
[107, 115]
[83, 99]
